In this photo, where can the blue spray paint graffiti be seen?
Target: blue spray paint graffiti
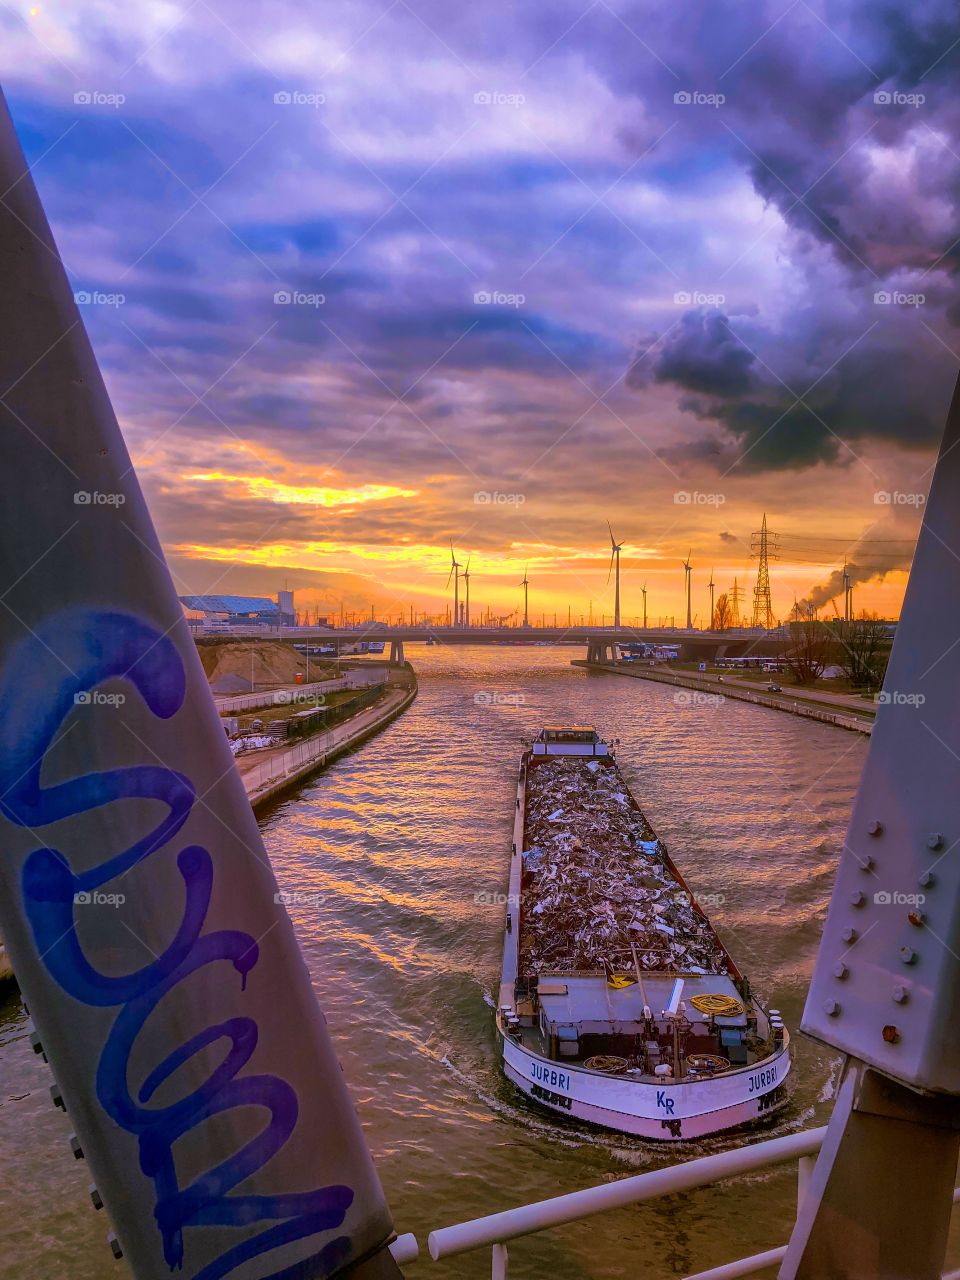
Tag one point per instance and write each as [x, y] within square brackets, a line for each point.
[100, 646]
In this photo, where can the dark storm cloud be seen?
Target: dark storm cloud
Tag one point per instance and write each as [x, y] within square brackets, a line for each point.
[701, 354]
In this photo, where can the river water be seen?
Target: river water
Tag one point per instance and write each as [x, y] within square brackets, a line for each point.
[399, 852]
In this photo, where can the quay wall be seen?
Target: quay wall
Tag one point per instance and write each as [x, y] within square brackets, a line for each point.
[795, 707]
[284, 769]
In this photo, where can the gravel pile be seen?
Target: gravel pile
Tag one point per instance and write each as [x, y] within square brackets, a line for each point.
[595, 880]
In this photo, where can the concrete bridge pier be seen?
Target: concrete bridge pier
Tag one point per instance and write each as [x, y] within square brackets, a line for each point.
[396, 653]
[600, 651]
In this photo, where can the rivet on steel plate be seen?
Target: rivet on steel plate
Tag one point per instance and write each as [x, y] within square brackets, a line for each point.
[908, 955]
[900, 994]
[874, 827]
[831, 1007]
[840, 971]
[934, 840]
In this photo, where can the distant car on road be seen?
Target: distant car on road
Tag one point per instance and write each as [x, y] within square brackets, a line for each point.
[774, 688]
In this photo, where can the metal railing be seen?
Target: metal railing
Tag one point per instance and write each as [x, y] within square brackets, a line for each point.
[277, 697]
[282, 764]
[495, 1230]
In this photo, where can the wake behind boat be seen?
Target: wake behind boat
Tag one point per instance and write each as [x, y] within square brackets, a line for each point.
[618, 1002]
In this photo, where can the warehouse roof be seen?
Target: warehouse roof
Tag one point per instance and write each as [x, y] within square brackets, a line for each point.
[231, 604]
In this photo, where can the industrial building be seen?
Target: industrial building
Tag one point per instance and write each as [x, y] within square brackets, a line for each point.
[216, 612]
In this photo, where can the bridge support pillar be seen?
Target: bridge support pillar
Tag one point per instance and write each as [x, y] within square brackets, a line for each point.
[600, 651]
[877, 1205]
[396, 653]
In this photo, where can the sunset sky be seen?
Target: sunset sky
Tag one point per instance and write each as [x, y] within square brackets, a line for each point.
[367, 279]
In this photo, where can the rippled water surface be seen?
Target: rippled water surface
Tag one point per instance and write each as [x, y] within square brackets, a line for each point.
[393, 850]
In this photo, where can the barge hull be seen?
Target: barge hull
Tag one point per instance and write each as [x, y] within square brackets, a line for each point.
[666, 1114]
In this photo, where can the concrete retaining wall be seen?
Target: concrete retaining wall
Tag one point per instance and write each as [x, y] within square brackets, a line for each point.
[808, 710]
[285, 769]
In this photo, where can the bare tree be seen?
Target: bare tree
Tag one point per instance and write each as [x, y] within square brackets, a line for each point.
[722, 613]
[810, 648]
[863, 650]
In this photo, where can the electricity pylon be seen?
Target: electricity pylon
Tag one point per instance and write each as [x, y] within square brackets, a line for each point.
[762, 606]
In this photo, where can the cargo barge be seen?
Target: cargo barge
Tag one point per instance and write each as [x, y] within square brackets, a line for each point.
[618, 1004]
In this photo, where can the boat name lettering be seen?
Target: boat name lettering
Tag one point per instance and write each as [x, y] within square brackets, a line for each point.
[549, 1075]
[761, 1080]
[555, 1099]
[665, 1102]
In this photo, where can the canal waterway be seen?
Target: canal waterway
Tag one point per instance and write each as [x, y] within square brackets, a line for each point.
[396, 859]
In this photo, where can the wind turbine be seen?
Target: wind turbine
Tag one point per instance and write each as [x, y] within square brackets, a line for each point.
[710, 584]
[455, 575]
[688, 576]
[466, 607]
[643, 592]
[615, 559]
[525, 584]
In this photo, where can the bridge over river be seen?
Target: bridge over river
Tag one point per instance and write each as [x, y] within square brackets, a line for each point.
[599, 642]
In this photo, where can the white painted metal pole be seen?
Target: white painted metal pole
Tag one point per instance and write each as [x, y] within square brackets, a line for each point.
[576, 1205]
[744, 1266]
[405, 1248]
[499, 1263]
